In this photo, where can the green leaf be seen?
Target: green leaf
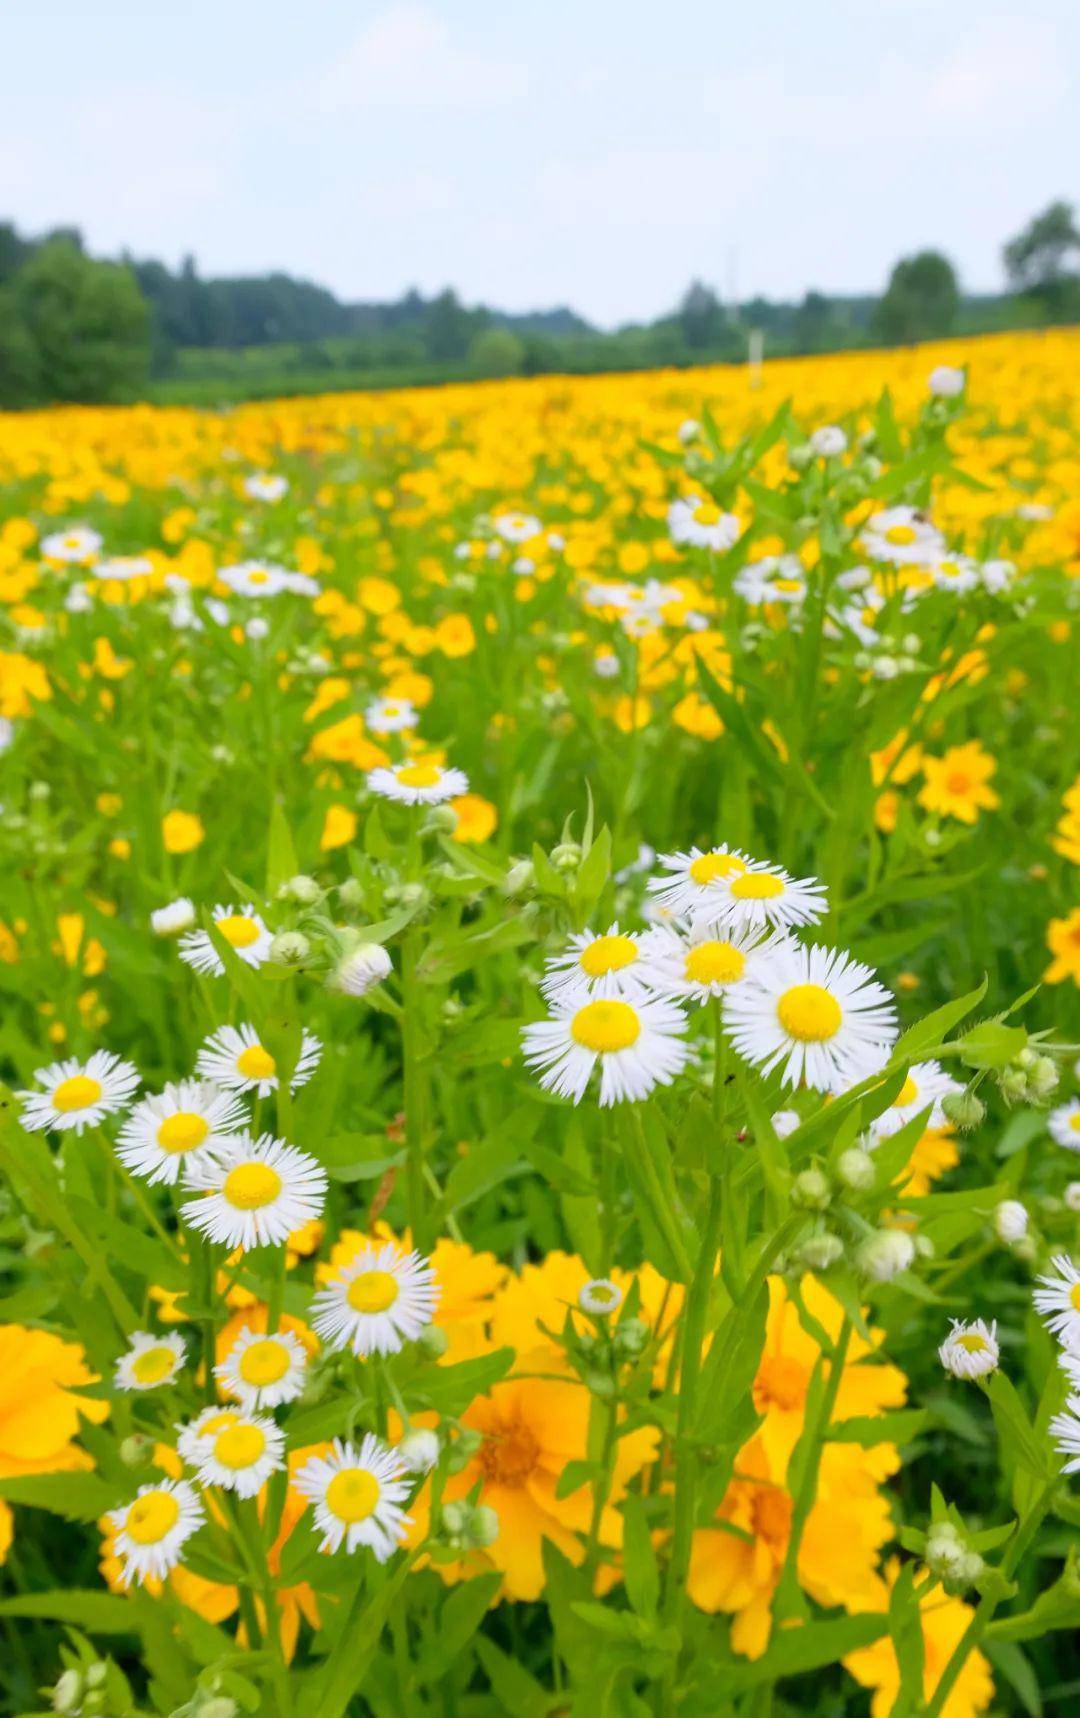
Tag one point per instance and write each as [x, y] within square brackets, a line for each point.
[450, 1389]
[459, 1619]
[933, 1028]
[641, 1575]
[281, 861]
[99, 1613]
[1020, 1444]
[899, 1427]
[75, 1496]
[991, 1045]
[808, 1646]
[517, 1692]
[905, 1629]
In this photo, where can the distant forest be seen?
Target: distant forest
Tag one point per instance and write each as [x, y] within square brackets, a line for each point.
[74, 327]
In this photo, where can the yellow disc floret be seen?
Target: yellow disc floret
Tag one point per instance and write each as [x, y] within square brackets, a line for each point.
[373, 1291]
[250, 1186]
[239, 1446]
[352, 1494]
[78, 1093]
[153, 1365]
[238, 930]
[707, 867]
[607, 954]
[152, 1517]
[605, 1026]
[255, 1063]
[184, 1131]
[715, 962]
[264, 1362]
[757, 886]
[809, 1013]
[418, 775]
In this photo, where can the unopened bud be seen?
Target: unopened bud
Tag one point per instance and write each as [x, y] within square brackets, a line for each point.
[855, 1168]
[68, 1693]
[442, 818]
[820, 1252]
[1044, 1076]
[456, 1517]
[463, 1448]
[419, 1450]
[1010, 1220]
[362, 969]
[351, 893]
[433, 1342]
[520, 876]
[884, 1254]
[136, 1450]
[631, 1336]
[566, 856]
[811, 1190]
[483, 1527]
[290, 948]
[301, 889]
[963, 1109]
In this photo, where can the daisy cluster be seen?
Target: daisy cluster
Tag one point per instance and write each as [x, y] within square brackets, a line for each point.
[722, 931]
[1057, 1300]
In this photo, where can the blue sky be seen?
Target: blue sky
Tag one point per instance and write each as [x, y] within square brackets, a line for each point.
[592, 153]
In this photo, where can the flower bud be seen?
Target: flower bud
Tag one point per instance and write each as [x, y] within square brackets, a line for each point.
[136, 1450]
[856, 1170]
[631, 1337]
[433, 1342]
[1010, 1220]
[441, 818]
[410, 893]
[483, 1526]
[811, 1190]
[820, 1252]
[521, 876]
[68, 1693]
[219, 1707]
[963, 1109]
[1044, 1076]
[419, 1450]
[566, 856]
[290, 948]
[351, 893]
[303, 890]
[362, 969]
[884, 1254]
[802, 456]
[456, 1517]
[463, 1449]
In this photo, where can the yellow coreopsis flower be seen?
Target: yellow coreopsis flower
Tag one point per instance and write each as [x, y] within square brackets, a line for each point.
[1063, 941]
[957, 783]
[339, 827]
[40, 1407]
[944, 1620]
[476, 817]
[181, 831]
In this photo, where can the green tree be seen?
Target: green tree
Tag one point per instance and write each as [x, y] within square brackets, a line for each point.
[88, 324]
[20, 372]
[496, 352]
[921, 299]
[1037, 260]
[701, 317]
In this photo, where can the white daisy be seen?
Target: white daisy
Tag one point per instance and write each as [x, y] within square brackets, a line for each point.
[197, 1434]
[701, 523]
[945, 381]
[183, 1125]
[612, 963]
[255, 1192]
[1065, 1430]
[77, 544]
[241, 1456]
[418, 783]
[775, 578]
[359, 971]
[956, 573]
[926, 1084]
[970, 1350]
[124, 567]
[150, 1361]
[152, 1530]
[1063, 1124]
[234, 1058]
[79, 1094]
[815, 1013]
[301, 585]
[1058, 1301]
[243, 930]
[170, 920]
[1069, 1361]
[997, 576]
[391, 715]
[901, 536]
[380, 1300]
[517, 527]
[696, 961]
[601, 1297]
[266, 486]
[255, 579]
[357, 1495]
[764, 895]
[263, 1370]
[638, 1045]
[693, 885]
[828, 441]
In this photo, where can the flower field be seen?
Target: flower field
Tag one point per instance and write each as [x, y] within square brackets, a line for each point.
[540, 961]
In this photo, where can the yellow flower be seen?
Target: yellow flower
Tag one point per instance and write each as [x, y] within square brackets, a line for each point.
[181, 831]
[476, 817]
[339, 827]
[21, 680]
[697, 716]
[454, 635]
[346, 743]
[956, 784]
[1063, 941]
[944, 1620]
[39, 1402]
[468, 1284]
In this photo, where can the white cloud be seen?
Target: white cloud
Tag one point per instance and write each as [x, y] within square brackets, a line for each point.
[408, 58]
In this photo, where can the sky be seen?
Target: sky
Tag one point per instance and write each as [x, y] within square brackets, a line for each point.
[597, 153]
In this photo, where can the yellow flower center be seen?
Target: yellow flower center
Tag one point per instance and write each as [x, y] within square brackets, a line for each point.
[153, 1365]
[958, 781]
[1074, 1297]
[238, 929]
[373, 1291]
[252, 1185]
[508, 1455]
[715, 963]
[607, 954]
[787, 584]
[78, 1093]
[1074, 1122]
[218, 1422]
[605, 1026]
[183, 1131]
[239, 1446]
[707, 514]
[418, 775]
[907, 1094]
[710, 866]
[257, 578]
[971, 1342]
[900, 534]
[757, 886]
[255, 1063]
[600, 1293]
[352, 1494]
[264, 1362]
[780, 1383]
[151, 1517]
[809, 1013]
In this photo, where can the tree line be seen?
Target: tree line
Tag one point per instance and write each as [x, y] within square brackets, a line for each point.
[77, 328]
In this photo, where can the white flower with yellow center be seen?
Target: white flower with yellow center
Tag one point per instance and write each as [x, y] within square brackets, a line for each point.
[380, 1300]
[78, 544]
[234, 1057]
[418, 783]
[262, 1370]
[698, 961]
[150, 1361]
[764, 896]
[814, 1013]
[182, 1126]
[1065, 1430]
[266, 486]
[357, 1495]
[956, 573]
[78, 1094]
[1058, 1301]
[612, 963]
[901, 536]
[775, 578]
[191, 1438]
[255, 1192]
[970, 1350]
[151, 1531]
[637, 1045]
[925, 1086]
[176, 916]
[242, 1455]
[1064, 1124]
[124, 567]
[600, 1296]
[698, 521]
[391, 715]
[243, 930]
[517, 527]
[255, 579]
[693, 884]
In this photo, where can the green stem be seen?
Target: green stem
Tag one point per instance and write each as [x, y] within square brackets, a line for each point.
[413, 1081]
[813, 1439]
[662, 1214]
[687, 1460]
